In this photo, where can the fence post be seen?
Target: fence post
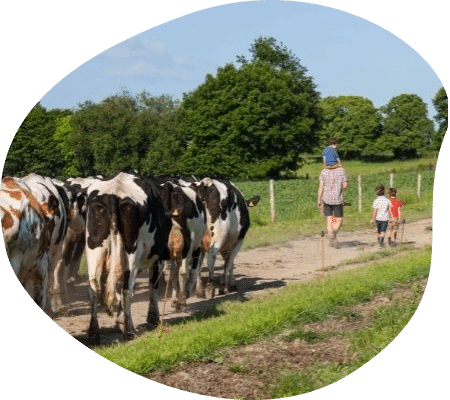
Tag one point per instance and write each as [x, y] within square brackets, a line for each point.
[359, 194]
[419, 181]
[272, 200]
[391, 180]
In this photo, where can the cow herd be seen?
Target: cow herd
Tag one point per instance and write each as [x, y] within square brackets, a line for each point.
[125, 223]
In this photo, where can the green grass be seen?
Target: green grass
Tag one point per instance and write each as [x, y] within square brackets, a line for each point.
[387, 323]
[239, 323]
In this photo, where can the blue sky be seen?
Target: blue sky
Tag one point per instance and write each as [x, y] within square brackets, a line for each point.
[345, 55]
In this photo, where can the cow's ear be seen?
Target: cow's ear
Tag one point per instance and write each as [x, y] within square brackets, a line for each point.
[165, 190]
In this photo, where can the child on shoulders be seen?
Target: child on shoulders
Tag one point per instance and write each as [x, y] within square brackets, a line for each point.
[330, 155]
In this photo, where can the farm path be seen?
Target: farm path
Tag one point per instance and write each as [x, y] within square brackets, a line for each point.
[256, 270]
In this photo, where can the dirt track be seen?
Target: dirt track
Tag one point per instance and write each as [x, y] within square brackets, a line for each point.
[255, 270]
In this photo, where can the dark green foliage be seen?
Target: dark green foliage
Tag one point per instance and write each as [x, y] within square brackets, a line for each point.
[440, 102]
[407, 128]
[354, 121]
[252, 121]
[33, 147]
[124, 131]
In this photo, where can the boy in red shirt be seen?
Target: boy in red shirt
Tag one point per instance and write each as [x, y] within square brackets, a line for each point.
[395, 213]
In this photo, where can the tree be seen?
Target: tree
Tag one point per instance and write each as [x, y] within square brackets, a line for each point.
[440, 102]
[406, 126]
[122, 131]
[33, 146]
[267, 50]
[354, 121]
[252, 121]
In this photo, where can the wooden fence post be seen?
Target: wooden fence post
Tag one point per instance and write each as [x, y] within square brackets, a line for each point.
[359, 194]
[272, 200]
[419, 181]
[391, 180]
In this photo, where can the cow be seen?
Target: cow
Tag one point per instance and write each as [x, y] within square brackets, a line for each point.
[73, 244]
[126, 230]
[34, 222]
[227, 224]
[188, 217]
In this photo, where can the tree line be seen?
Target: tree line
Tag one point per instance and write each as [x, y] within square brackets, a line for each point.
[256, 118]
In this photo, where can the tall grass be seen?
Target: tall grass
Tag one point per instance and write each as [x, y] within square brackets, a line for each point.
[236, 323]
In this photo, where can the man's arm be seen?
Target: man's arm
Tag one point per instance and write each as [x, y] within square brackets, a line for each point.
[320, 194]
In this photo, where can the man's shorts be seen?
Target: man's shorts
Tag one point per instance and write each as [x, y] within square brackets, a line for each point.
[336, 210]
[382, 226]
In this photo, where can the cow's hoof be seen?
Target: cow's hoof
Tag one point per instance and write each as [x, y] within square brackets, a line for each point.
[129, 334]
[232, 288]
[210, 291]
[94, 341]
[152, 320]
[222, 290]
[93, 337]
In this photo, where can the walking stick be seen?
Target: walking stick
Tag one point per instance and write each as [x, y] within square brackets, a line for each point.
[322, 263]
[403, 230]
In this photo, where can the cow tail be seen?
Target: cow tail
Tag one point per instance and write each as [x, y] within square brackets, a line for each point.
[116, 269]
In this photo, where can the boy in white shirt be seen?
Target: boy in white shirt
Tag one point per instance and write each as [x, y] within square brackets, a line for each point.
[381, 206]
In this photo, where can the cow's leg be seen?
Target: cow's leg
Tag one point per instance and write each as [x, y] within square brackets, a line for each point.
[174, 280]
[211, 261]
[229, 282]
[59, 289]
[94, 329]
[197, 261]
[41, 282]
[96, 259]
[74, 267]
[183, 274]
[153, 310]
[124, 321]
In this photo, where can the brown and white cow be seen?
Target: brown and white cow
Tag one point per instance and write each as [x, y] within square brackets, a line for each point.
[126, 231]
[227, 224]
[73, 244]
[34, 222]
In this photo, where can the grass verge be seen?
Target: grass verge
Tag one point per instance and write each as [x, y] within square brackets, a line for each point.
[264, 315]
[387, 323]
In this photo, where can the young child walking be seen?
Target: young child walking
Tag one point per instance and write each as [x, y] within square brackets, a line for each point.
[381, 207]
[395, 214]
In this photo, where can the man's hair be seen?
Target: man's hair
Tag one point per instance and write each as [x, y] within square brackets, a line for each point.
[392, 192]
[379, 190]
[332, 141]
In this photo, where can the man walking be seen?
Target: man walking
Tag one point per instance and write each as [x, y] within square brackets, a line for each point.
[330, 199]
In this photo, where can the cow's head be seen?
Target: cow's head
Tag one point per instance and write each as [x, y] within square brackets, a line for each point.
[173, 200]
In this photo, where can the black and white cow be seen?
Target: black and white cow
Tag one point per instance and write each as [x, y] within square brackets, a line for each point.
[34, 223]
[227, 224]
[188, 217]
[126, 230]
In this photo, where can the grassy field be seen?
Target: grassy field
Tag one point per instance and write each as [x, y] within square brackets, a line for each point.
[232, 323]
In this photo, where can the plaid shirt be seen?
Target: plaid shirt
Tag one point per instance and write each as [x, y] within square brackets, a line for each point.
[333, 179]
